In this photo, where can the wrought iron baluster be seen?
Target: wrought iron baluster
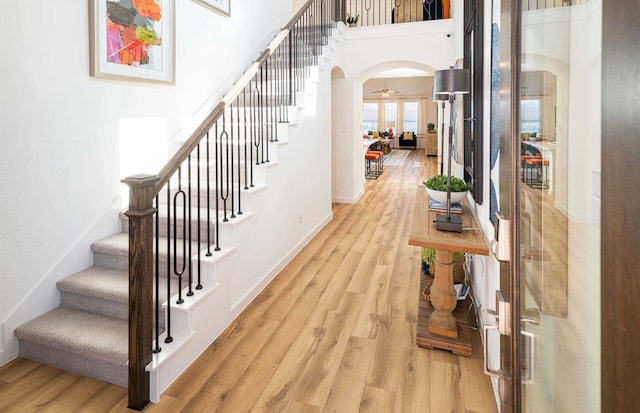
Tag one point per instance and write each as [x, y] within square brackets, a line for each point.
[209, 253]
[254, 124]
[176, 271]
[156, 218]
[260, 120]
[223, 162]
[239, 145]
[187, 258]
[274, 97]
[292, 96]
[216, 166]
[169, 338]
[247, 162]
[230, 164]
[198, 190]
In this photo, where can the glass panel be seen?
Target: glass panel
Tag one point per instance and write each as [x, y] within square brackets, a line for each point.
[559, 206]
[410, 117]
[390, 115]
[370, 116]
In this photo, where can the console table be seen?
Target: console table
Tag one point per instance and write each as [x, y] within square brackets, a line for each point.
[438, 326]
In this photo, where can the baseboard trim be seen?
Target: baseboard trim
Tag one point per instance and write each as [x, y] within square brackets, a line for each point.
[344, 200]
[241, 304]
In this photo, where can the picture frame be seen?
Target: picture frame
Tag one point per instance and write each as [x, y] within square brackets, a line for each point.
[219, 6]
[132, 44]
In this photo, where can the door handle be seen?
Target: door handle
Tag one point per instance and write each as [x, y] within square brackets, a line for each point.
[488, 371]
[530, 315]
[530, 354]
[502, 325]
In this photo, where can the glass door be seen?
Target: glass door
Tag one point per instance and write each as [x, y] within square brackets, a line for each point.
[558, 206]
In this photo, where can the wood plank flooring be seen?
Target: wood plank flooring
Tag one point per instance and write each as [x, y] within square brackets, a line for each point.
[334, 332]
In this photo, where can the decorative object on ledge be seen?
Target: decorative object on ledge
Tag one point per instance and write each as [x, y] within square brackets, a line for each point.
[450, 82]
[132, 41]
[219, 6]
[352, 21]
[437, 188]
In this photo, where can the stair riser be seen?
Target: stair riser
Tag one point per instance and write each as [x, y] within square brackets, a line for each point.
[237, 172]
[103, 307]
[121, 262]
[83, 365]
[180, 231]
[202, 197]
[212, 204]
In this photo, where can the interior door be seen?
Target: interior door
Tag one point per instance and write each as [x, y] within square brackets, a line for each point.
[550, 192]
[559, 206]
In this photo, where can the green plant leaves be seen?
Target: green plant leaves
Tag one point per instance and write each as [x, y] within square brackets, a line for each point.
[439, 183]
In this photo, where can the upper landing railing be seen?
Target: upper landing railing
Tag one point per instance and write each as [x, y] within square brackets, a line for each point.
[379, 12]
[528, 5]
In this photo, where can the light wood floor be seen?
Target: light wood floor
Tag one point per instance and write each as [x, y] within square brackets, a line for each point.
[334, 332]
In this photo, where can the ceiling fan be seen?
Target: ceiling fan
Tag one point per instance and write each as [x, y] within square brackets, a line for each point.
[385, 91]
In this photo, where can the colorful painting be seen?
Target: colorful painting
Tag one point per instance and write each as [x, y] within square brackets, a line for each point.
[133, 39]
[220, 6]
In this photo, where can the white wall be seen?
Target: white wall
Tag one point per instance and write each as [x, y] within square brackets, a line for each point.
[368, 51]
[60, 130]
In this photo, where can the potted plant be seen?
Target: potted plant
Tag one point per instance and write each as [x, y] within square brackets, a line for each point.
[428, 256]
[431, 127]
[352, 20]
[436, 187]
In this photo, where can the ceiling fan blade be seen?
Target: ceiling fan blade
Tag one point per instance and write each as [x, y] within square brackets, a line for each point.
[385, 91]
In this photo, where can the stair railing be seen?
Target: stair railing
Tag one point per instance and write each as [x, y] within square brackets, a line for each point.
[550, 4]
[175, 216]
[379, 12]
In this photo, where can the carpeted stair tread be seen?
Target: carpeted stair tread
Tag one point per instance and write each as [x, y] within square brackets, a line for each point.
[119, 245]
[98, 282]
[116, 245]
[77, 332]
[112, 285]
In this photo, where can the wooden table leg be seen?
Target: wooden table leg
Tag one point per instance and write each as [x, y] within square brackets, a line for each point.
[443, 297]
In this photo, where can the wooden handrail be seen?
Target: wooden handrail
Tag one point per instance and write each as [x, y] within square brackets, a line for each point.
[183, 153]
[190, 144]
[299, 14]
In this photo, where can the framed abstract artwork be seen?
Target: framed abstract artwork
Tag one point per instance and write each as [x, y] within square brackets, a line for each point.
[220, 6]
[133, 39]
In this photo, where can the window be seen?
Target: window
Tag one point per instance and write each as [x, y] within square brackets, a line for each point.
[410, 117]
[390, 115]
[530, 116]
[370, 116]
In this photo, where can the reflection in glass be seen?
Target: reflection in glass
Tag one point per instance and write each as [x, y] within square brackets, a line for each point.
[559, 214]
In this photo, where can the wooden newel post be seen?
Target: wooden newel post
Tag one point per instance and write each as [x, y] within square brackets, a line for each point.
[140, 213]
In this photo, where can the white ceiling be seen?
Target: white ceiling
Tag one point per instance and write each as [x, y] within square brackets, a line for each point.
[402, 72]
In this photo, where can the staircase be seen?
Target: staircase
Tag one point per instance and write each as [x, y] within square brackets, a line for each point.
[202, 229]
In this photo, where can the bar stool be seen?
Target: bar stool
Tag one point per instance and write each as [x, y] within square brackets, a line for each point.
[524, 167]
[381, 160]
[372, 171]
[539, 166]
